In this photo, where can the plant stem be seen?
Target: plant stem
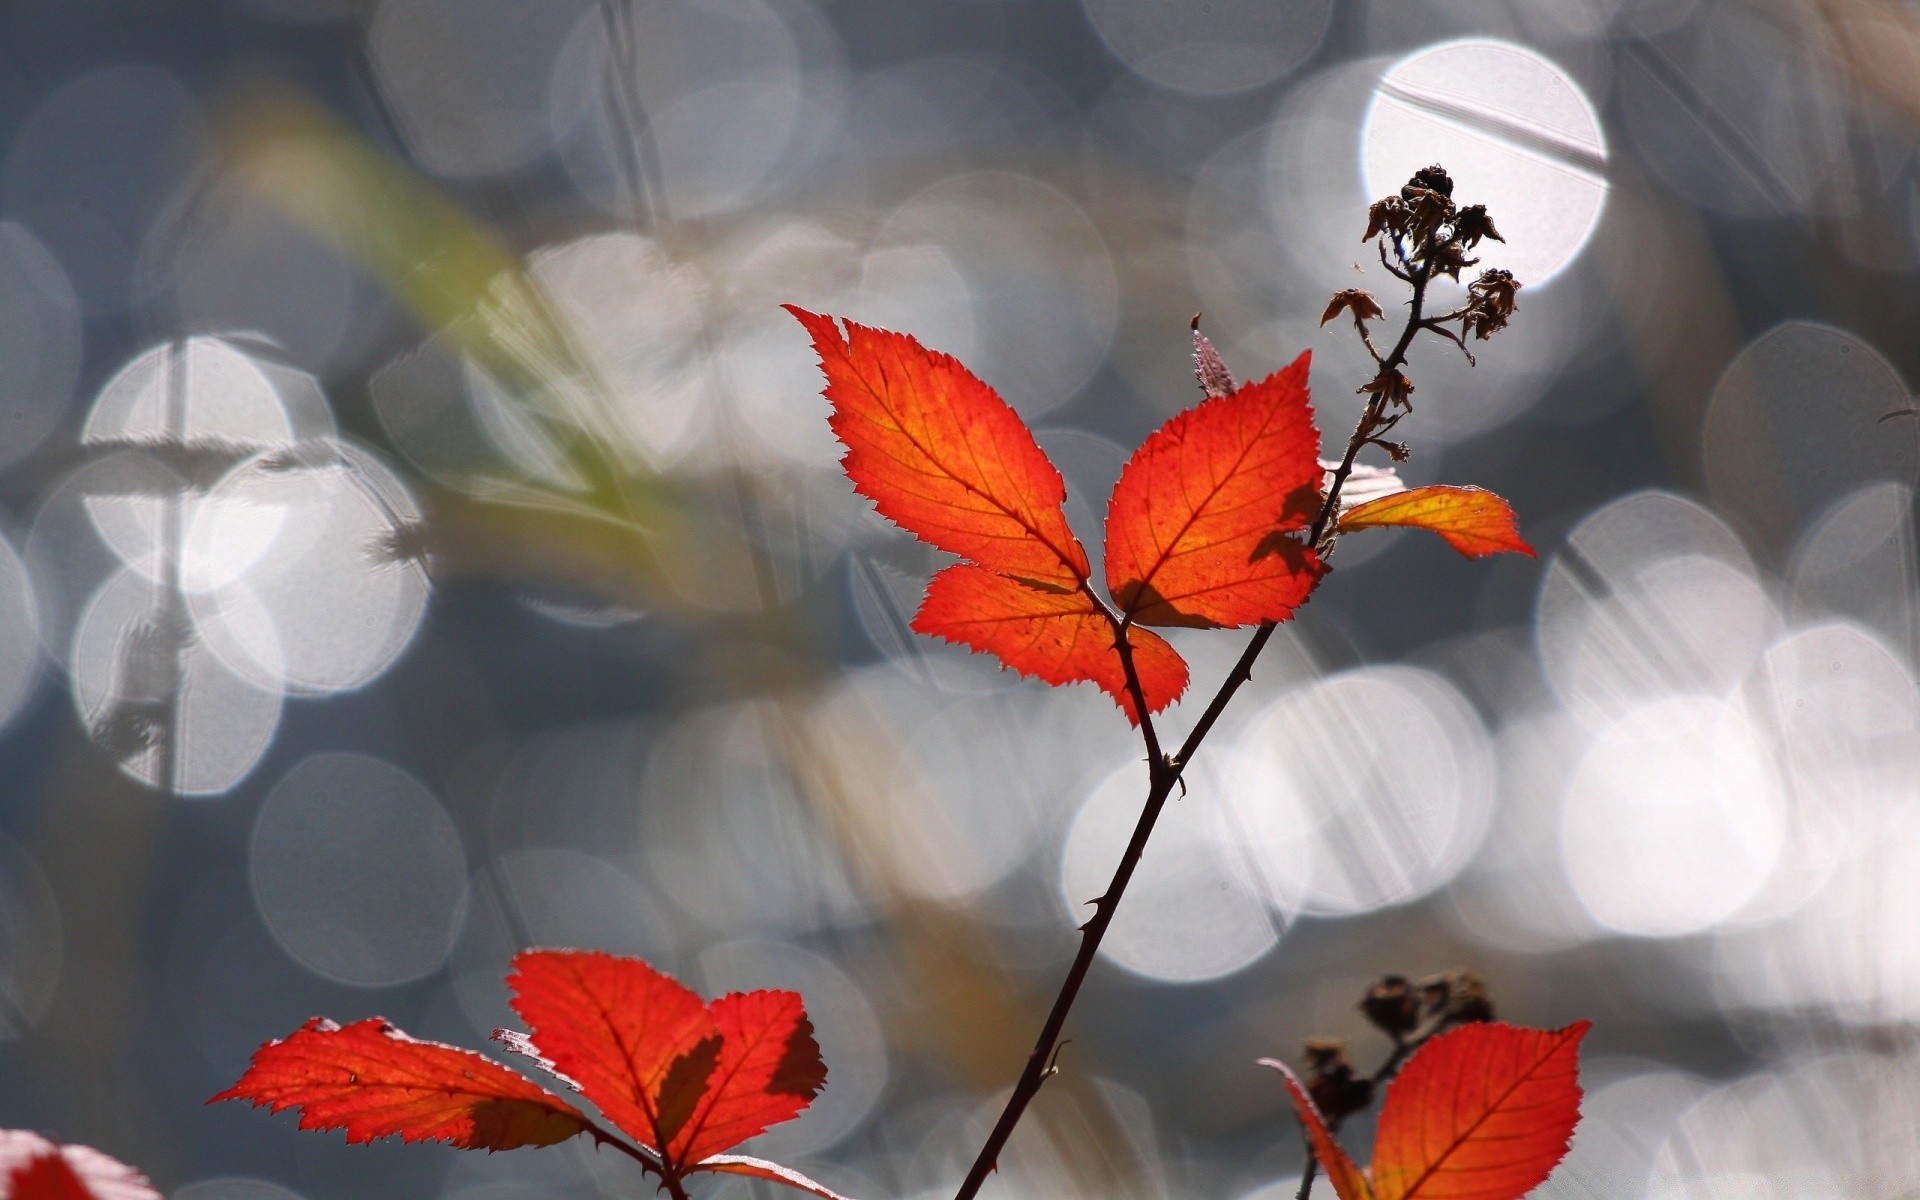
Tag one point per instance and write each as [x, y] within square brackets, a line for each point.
[648, 1162]
[1164, 773]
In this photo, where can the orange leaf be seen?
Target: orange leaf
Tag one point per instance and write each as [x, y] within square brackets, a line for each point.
[769, 1069]
[1052, 636]
[36, 1168]
[760, 1168]
[1196, 529]
[938, 452]
[1348, 1182]
[374, 1081]
[1481, 1113]
[1473, 520]
[616, 1029]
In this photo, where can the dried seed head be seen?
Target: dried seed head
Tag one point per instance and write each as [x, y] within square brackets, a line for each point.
[1331, 1079]
[1362, 304]
[1456, 997]
[1392, 1006]
[1386, 216]
[1471, 224]
[1391, 386]
[1432, 179]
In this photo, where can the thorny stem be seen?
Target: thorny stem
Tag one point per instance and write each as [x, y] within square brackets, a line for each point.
[648, 1163]
[1164, 773]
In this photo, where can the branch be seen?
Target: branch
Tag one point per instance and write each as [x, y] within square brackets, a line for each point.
[1165, 772]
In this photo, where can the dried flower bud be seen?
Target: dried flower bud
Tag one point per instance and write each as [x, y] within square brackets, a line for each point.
[1432, 179]
[1427, 212]
[1495, 289]
[1392, 1006]
[1448, 259]
[1456, 997]
[1471, 224]
[1208, 367]
[1386, 216]
[1364, 306]
[1331, 1080]
[1391, 386]
[1490, 302]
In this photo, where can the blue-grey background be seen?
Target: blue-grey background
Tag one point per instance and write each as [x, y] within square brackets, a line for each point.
[420, 538]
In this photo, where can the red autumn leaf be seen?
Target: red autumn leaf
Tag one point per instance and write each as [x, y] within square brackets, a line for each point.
[36, 1168]
[760, 1168]
[1349, 1183]
[1483, 1112]
[1056, 637]
[374, 1081]
[686, 1079]
[1197, 527]
[616, 1028]
[769, 1069]
[938, 452]
[1473, 520]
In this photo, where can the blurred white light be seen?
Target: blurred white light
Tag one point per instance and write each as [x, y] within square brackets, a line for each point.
[1853, 951]
[1030, 247]
[467, 80]
[727, 835]
[1193, 911]
[19, 633]
[1847, 721]
[155, 698]
[1674, 819]
[680, 107]
[1514, 132]
[234, 1187]
[1385, 770]
[331, 597]
[31, 942]
[1816, 1129]
[1860, 562]
[1210, 49]
[1651, 596]
[946, 796]
[358, 872]
[207, 391]
[1743, 111]
[1794, 426]
[1515, 897]
[40, 340]
[636, 315]
[1624, 1124]
[851, 1040]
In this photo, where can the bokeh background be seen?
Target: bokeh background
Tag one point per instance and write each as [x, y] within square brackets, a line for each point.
[420, 537]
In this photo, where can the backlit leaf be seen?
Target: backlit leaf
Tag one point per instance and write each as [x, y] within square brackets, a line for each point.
[760, 1168]
[1348, 1182]
[374, 1081]
[769, 1069]
[1197, 530]
[611, 1025]
[1483, 1112]
[36, 1168]
[1056, 637]
[939, 453]
[1474, 521]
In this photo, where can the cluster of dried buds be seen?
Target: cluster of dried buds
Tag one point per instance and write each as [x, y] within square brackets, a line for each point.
[1421, 235]
[1409, 1012]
